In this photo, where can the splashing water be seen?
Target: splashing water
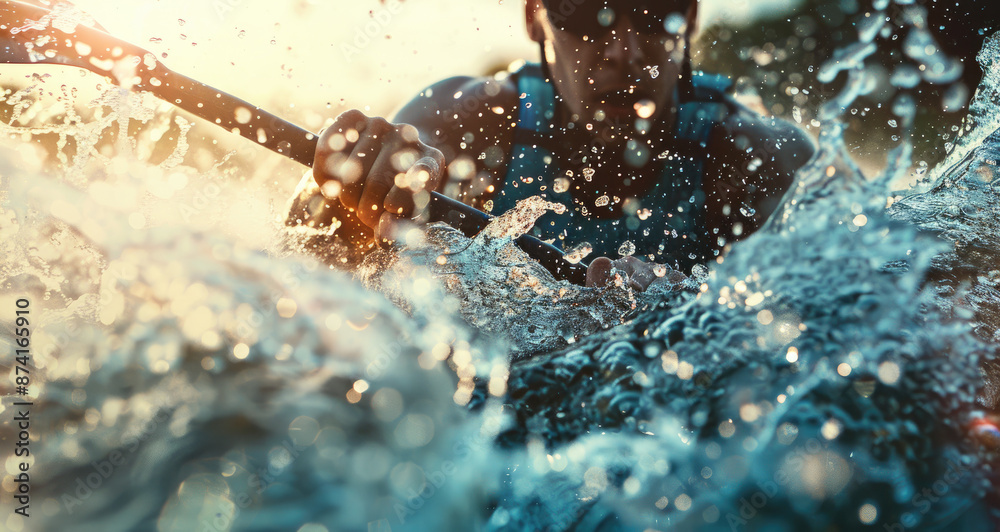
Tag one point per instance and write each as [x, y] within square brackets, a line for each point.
[821, 375]
[500, 291]
[774, 399]
[64, 17]
[225, 381]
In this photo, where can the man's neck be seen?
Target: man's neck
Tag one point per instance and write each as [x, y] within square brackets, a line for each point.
[614, 157]
[615, 132]
[606, 179]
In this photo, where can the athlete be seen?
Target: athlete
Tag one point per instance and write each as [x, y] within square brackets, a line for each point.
[654, 163]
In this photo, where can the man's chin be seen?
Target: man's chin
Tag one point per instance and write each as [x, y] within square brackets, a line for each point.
[620, 120]
[615, 116]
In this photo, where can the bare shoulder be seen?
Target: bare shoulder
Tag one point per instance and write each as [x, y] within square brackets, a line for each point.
[753, 163]
[471, 120]
[778, 143]
[448, 109]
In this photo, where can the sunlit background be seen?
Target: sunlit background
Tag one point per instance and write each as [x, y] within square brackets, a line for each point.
[157, 285]
[307, 61]
[313, 53]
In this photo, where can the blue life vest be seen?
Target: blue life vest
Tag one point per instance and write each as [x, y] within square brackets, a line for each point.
[667, 226]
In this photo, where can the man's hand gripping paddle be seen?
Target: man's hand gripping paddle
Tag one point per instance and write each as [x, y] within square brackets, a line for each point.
[32, 34]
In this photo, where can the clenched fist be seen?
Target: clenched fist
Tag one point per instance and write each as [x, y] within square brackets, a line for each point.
[638, 274]
[380, 170]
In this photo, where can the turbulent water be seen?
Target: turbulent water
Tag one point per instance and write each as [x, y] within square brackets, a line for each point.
[825, 375]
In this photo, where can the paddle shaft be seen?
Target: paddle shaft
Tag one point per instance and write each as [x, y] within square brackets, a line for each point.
[28, 41]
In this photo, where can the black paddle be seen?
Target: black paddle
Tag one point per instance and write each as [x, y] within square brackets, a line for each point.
[23, 39]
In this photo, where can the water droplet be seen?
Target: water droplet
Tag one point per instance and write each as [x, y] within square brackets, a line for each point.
[955, 97]
[578, 253]
[243, 115]
[675, 23]
[606, 17]
[645, 108]
[905, 77]
[635, 154]
[626, 249]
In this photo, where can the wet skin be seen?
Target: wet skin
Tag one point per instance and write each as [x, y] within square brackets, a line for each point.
[455, 137]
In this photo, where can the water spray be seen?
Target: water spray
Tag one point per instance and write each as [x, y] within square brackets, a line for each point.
[65, 35]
